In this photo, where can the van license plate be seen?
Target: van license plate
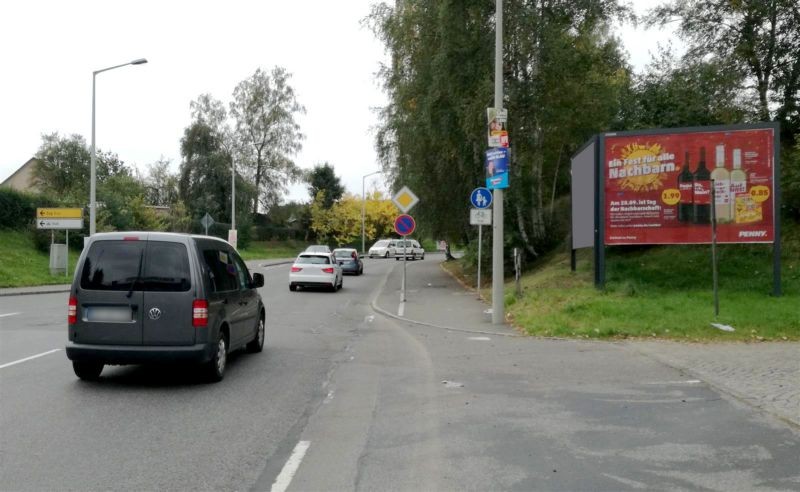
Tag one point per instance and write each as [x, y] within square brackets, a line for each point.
[109, 314]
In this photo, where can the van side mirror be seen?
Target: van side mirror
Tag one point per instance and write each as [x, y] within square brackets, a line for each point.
[258, 280]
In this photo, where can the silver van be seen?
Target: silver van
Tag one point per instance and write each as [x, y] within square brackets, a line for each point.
[149, 297]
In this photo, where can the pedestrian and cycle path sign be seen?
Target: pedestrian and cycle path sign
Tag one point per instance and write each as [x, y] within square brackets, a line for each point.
[481, 198]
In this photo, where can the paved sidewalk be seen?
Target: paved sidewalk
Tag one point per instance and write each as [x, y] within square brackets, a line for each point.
[763, 375]
[57, 288]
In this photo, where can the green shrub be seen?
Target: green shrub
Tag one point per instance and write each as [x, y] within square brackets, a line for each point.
[18, 209]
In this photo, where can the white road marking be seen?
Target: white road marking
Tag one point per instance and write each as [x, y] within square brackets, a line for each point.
[401, 309]
[452, 384]
[479, 339]
[8, 314]
[29, 358]
[290, 468]
[688, 381]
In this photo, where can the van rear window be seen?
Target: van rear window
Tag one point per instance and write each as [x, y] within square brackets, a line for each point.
[115, 265]
[166, 268]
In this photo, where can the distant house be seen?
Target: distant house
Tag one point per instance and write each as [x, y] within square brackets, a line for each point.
[22, 178]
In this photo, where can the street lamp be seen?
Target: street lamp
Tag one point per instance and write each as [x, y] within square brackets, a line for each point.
[364, 207]
[93, 185]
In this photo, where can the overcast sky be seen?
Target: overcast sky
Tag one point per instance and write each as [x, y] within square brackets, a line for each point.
[50, 49]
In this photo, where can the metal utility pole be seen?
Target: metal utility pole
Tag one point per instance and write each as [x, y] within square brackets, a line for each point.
[497, 233]
[233, 195]
[92, 156]
[364, 208]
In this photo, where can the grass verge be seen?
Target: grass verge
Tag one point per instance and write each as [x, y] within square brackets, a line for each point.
[268, 250]
[659, 292]
[22, 265]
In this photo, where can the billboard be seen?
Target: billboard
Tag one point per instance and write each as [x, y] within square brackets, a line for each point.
[658, 186]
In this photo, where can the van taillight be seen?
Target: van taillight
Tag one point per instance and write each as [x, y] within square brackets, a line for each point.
[296, 269]
[327, 270]
[199, 313]
[72, 311]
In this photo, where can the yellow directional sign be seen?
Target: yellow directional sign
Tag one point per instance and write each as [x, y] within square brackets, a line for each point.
[59, 213]
[405, 199]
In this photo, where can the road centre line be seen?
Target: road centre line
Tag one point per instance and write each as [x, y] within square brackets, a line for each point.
[29, 358]
[290, 468]
[8, 314]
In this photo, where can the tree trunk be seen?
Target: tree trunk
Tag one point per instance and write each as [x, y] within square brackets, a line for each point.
[537, 203]
[526, 242]
[259, 172]
[555, 182]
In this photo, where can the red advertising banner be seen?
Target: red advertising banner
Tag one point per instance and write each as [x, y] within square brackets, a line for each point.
[658, 187]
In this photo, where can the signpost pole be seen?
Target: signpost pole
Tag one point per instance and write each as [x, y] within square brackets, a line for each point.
[66, 267]
[405, 258]
[480, 233]
[497, 235]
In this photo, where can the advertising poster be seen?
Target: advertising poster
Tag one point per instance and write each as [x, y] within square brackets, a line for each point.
[498, 135]
[658, 187]
[497, 168]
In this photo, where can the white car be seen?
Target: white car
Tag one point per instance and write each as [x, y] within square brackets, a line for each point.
[318, 248]
[380, 249]
[316, 270]
[411, 249]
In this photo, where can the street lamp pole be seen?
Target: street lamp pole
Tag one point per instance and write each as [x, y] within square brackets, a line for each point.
[497, 219]
[93, 158]
[364, 208]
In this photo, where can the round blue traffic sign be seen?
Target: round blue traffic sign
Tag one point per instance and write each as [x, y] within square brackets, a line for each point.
[481, 198]
[404, 224]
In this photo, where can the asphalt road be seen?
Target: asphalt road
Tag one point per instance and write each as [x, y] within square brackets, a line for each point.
[345, 398]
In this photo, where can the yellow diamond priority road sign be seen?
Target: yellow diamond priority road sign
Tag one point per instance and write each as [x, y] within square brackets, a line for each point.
[405, 199]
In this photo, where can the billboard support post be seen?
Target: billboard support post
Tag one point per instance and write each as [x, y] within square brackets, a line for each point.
[714, 273]
[599, 217]
[776, 243]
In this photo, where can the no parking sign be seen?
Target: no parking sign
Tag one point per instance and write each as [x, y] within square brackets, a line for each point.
[404, 224]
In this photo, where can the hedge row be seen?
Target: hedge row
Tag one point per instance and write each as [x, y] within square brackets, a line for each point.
[18, 209]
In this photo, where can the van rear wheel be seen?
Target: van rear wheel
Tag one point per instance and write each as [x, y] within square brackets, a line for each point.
[215, 368]
[88, 371]
[257, 343]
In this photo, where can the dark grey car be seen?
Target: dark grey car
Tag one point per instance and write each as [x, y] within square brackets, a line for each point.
[148, 297]
[350, 260]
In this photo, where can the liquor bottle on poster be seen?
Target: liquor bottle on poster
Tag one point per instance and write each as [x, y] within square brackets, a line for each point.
[722, 188]
[701, 211]
[686, 187]
[738, 180]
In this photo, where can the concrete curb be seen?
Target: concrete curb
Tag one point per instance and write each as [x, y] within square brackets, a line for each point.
[380, 310]
[17, 291]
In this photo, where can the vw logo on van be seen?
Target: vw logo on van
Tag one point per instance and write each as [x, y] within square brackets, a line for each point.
[154, 313]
